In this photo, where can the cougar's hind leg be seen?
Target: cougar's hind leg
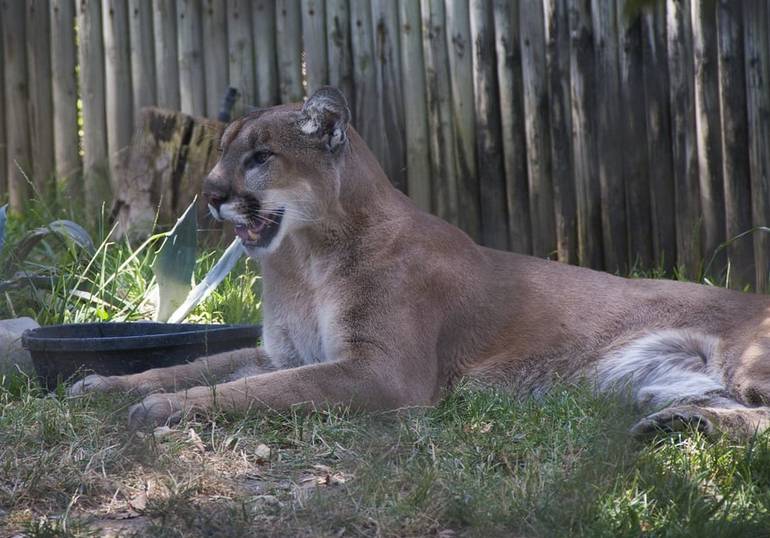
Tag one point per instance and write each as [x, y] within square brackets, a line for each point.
[674, 375]
[203, 371]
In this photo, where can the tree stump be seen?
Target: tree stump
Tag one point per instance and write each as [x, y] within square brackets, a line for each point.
[161, 172]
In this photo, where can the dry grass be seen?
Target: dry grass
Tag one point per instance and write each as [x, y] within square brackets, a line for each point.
[480, 464]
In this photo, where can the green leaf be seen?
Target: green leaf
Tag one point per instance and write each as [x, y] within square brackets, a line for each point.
[209, 283]
[75, 232]
[173, 267]
[63, 229]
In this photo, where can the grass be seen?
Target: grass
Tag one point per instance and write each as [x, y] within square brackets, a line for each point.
[481, 463]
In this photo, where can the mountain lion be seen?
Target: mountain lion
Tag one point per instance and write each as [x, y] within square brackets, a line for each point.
[370, 302]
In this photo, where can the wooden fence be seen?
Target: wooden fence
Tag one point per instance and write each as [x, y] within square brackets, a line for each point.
[596, 132]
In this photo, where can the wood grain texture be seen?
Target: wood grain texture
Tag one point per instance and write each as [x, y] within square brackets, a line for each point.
[757, 57]
[367, 114]
[609, 136]
[659, 150]
[117, 69]
[508, 53]
[192, 84]
[288, 28]
[263, 28]
[40, 104]
[440, 123]
[16, 99]
[536, 110]
[3, 138]
[583, 112]
[687, 190]
[708, 127]
[413, 93]
[142, 55]
[559, 94]
[166, 53]
[388, 65]
[338, 48]
[460, 54]
[633, 128]
[97, 188]
[489, 147]
[215, 54]
[736, 172]
[65, 95]
[241, 53]
[314, 44]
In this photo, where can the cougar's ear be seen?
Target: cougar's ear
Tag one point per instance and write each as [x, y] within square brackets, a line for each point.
[326, 115]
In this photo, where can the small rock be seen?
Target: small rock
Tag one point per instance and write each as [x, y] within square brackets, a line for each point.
[268, 500]
[13, 357]
[262, 452]
[162, 431]
[196, 440]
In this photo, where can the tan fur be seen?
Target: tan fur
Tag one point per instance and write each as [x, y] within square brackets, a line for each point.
[370, 302]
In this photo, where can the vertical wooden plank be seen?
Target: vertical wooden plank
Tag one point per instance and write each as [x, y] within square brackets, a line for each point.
[117, 67]
[508, 53]
[736, 172]
[166, 53]
[3, 138]
[263, 12]
[413, 92]
[65, 96]
[288, 26]
[388, 65]
[460, 53]
[659, 149]
[367, 115]
[314, 40]
[559, 94]
[707, 125]
[758, 105]
[192, 84]
[633, 130]
[215, 54]
[40, 105]
[241, 53]
[96, 183]
[16, 99]
[536, 105]
[142, 55]
[491, 173]
[338, 50]
[687, 191]
[440, 123]
[610, 161]
[583, 106]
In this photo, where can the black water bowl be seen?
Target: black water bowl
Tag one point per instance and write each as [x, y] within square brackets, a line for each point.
[60, 352]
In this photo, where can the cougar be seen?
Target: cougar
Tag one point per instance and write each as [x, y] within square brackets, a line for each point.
[369, 301]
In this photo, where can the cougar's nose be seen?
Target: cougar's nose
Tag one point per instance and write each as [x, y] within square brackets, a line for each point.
[214, 196]
[214, 191]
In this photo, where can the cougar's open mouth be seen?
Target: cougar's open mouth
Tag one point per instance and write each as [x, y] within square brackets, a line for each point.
[259, 233]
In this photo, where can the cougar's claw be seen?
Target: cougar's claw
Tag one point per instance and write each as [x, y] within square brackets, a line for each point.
[91, 383]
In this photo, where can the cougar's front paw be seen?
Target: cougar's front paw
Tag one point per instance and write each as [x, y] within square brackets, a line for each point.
[155, 410]
[93, 383]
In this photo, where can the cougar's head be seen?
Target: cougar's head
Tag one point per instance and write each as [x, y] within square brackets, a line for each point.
[279, 169]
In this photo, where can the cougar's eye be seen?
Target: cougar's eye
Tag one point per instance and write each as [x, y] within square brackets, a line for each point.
[255, 159]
